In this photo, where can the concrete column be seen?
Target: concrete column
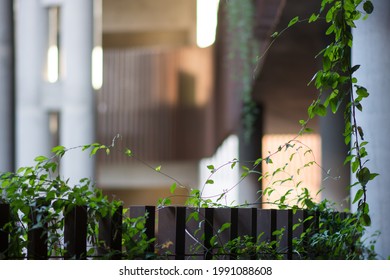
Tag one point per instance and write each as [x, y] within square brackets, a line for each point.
[32, 129]
[249, 151]
[371, 50]
[333, 153]
[77, 110]
[6, 85]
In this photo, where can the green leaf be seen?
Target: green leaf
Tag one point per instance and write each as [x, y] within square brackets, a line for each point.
[94, 150]
[258, 161]
[173, 188]
[275, 34]
[313, 18]
[83, 149]
[358, 195]
[329, 15]
[355, 165]
[40, 158]
[209, 181]
[330, 30]
[360, 131]
[362, 92]
[293, 21]
[58, 150]
[158, 168]
[213, 241]
[365, 220]
[224, 227]
[355, 68]
[211, 168]
[363, 176]
[128, 153]
[373, 175]
[320, 110]
[164, 202]
[309, 203]
[368, 7]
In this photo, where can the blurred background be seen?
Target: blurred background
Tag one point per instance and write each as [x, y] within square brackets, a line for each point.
[190, 86]
[184, 84]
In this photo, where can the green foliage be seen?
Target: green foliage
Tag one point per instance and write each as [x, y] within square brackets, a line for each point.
[39, 194]
[39, 198]
[336, 236]
[337, 85]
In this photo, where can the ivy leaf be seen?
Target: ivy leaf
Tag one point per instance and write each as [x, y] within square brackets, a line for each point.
[320, 110]
[355, 165]
[173, 188]
[362, 92]
[309, 203]
[358, 195]
[368, 7]
[40, 158]
[363, 176]
[224, 227]
[365, 219]
[373, 175]
[211, 168]
[355, 68]
[128, 153]
[313, 18]
[361, 133]
[258, 161]
[59, 150]
[293, 21]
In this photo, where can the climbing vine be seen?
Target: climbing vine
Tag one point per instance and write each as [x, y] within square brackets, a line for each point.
[337, 80]
[34, 190]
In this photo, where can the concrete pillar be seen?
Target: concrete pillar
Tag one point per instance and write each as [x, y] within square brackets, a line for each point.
[249, 151]
[336, 178]
[371, 50]
[6, 85]
[32, 128]
[77, 108]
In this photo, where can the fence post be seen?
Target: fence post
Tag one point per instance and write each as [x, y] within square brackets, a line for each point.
[75, 233]
[247, 220]
[225, 216]
[284, 220]
[299, 218]
[199, 233]
[37, 235]
[266, 225]
[110, 233]
[171, 231]
[4, 235]
[150, 211]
